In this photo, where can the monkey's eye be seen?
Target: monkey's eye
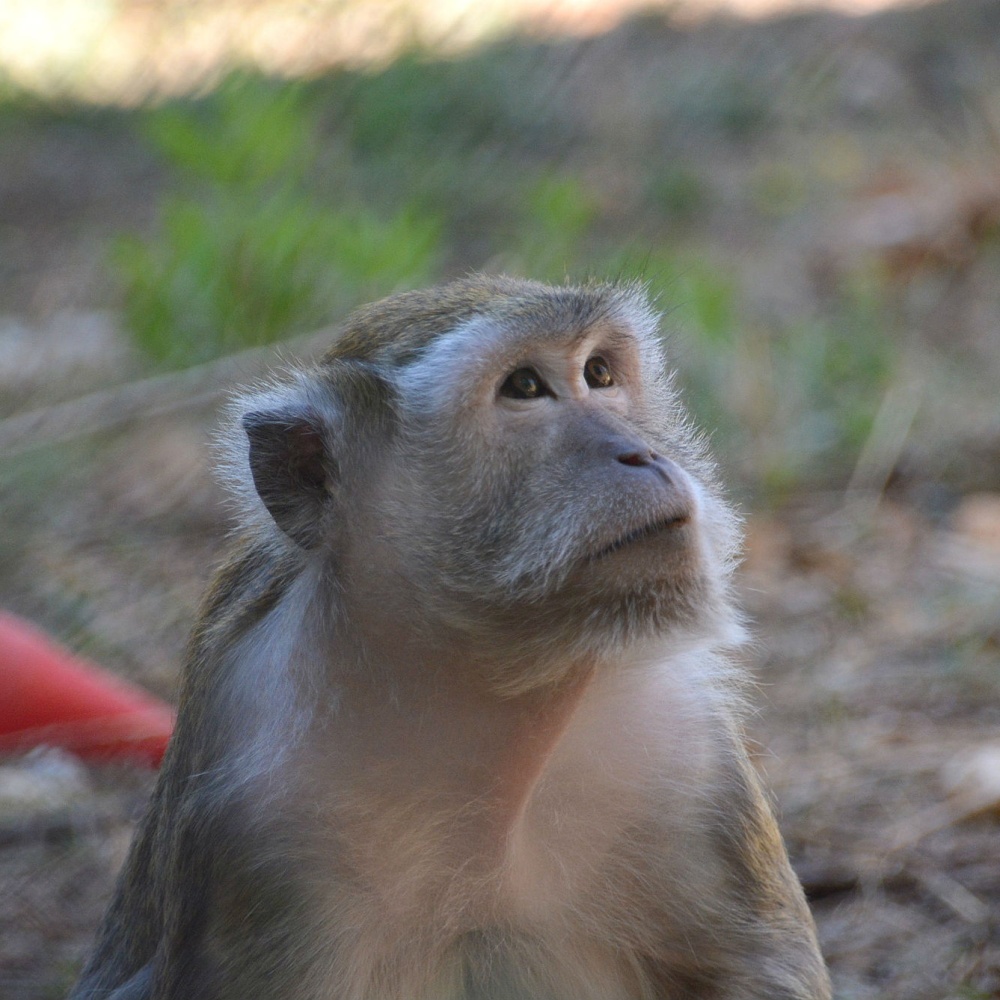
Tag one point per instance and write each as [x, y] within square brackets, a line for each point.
[597, 373]
[525, 383]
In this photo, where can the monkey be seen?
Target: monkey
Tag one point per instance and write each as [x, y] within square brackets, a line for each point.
[460, 717]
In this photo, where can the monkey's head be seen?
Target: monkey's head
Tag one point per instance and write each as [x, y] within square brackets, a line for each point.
[510, 456]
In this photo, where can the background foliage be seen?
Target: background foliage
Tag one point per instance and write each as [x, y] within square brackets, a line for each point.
[812, 199]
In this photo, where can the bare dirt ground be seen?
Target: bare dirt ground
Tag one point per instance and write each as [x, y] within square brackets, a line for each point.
[876, 617]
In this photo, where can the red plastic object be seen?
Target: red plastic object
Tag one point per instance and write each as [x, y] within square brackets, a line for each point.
[49, 697]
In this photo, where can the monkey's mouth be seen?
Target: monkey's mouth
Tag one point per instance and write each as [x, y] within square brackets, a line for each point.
[661, 526]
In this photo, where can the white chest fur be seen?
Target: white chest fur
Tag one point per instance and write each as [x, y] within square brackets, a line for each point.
[637, 736]
[546, 915]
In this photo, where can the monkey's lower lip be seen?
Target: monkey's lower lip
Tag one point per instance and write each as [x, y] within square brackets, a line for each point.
[641, 534]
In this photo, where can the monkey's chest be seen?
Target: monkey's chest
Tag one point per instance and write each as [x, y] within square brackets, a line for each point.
[556, 899]
[547, 921]
[541, 922]
[494, 964]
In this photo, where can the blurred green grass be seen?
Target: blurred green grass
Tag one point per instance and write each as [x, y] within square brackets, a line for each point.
[274, 225]
[283, 204]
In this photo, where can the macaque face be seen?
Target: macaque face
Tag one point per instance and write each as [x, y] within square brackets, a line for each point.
[546, 480]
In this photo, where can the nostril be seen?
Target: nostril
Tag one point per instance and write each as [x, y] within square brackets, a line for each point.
[636, 458]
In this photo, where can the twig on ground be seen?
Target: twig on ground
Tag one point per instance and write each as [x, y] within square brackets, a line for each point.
[149, 397]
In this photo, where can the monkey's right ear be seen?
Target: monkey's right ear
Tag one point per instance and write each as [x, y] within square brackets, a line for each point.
[291, 470]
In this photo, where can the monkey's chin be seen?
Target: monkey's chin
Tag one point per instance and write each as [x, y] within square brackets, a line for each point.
[649, 581]
[598, 626]
[602, 609]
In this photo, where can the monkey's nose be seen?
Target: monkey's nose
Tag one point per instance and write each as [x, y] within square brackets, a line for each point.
[675, 489]
[637, 458]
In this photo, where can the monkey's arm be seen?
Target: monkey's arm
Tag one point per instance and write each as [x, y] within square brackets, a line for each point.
[762, 945]
[120, 967]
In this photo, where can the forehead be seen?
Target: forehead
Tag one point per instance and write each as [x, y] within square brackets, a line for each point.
[485, 347]
[569, 316]
[398, 331]
[509, 334]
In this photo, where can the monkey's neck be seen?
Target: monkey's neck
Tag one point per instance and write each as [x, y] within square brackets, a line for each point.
[428, 731]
